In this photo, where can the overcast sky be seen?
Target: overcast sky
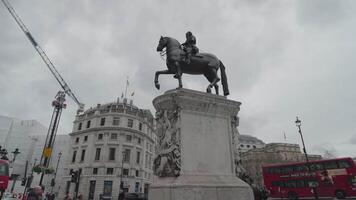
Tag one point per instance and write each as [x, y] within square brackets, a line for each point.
[283, 59]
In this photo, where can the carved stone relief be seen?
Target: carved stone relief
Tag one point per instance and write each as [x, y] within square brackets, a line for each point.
[167, 162]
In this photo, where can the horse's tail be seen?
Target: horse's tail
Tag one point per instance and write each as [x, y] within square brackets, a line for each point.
[224, 79]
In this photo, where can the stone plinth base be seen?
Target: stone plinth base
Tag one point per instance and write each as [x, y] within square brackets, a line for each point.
[200, 188]
[195, 157]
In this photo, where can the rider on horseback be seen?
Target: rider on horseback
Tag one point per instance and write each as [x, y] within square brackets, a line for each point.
[189, 48]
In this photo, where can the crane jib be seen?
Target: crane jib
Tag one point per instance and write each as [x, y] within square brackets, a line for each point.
[33, 41]
[42, 54]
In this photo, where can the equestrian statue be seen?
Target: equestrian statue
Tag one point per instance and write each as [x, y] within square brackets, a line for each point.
[185, 58]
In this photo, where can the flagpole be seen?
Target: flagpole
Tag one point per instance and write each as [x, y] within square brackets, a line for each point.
[127, 83]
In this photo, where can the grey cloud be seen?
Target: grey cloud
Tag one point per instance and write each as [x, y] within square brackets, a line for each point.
[278, 66]
[353, 139]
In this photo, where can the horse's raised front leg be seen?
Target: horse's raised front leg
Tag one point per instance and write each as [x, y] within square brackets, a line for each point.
[157, 75]
[178, 74]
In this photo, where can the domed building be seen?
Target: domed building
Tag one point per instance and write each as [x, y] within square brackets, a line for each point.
[248, 142]
[110, 144]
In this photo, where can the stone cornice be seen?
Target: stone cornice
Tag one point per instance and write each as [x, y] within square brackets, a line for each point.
[192, 100]
[111, 128]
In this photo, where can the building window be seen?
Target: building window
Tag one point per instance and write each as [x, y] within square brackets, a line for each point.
[126, 155]
[112, 153]
[91, 190]
[137, 187]
[137, 173]
[140, 126]
[116, 121]
[109, 170]
[138, 157]
[113, 136]
[138, 140]
[107, 188]
[128, 138]
[83, 155]
[150, 162]
[102, 121]
[100, 136]
[130, 123]
[77, 140]
[85, 138]
[95, 170]
[74, 155]
[146, 160]
[125, 172]
[80, 126]
[88, 124]
[97, 153]
[68, 186]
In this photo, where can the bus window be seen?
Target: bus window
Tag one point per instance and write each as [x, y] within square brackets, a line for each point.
[269, 170]
[330, 165]
[277, 184]
[352, 180]
[287, 170]
[291, 184]
[274, 170]
[344, 164]
[316, 166]
[312, 183]
[300, 168]
[300, 183]
[4, 170]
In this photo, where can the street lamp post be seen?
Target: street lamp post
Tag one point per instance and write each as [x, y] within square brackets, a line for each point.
[28, 180]
[121, 190]
[16, 152]
[298, 122]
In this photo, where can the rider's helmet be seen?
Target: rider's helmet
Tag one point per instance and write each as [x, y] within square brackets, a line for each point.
[188, 34]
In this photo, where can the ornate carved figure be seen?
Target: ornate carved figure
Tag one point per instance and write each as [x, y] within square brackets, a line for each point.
[167, 161]
[201, 63]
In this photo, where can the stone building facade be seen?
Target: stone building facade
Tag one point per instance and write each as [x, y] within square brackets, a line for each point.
[108, 143]
[273, 153]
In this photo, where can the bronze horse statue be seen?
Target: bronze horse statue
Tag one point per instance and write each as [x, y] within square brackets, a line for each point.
[201, 63]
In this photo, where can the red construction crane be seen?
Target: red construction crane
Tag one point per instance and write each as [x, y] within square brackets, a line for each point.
[59, 102]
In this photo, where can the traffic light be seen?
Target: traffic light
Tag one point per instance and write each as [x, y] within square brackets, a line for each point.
[74, 176]
[29, 181]
[53, 182]
[23, 181]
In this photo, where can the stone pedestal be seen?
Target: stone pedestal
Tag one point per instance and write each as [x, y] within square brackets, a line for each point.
[195, 158]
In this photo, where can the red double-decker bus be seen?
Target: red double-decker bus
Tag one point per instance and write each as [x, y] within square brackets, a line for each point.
[326, 178]
[4, 175]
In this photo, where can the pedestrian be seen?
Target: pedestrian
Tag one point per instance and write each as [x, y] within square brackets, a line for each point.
[68, 196]
[50, 196]
[35, 193]
[80, 197]
[121, 195]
